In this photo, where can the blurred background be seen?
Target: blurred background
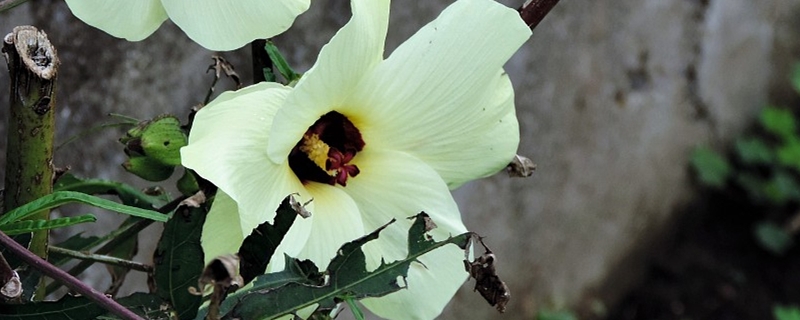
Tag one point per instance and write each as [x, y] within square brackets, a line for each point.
[613, 98]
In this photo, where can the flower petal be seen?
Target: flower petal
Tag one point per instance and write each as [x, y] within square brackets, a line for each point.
[336, 220]
[226, 25]
[131, 20]
[443, 85]
[353, 51]
[227, 146]
[396, 185]
[222, 234]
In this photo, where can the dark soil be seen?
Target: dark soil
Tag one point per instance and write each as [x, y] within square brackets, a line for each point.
[716, 269]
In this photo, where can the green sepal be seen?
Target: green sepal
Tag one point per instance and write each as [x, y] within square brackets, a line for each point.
[148, 169]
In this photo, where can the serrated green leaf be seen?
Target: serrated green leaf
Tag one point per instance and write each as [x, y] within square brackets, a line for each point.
[347, 277]
[772, 237]
[754, 151]
[26, 226]
[257, 249]
[778, 121]
[712, 169]
[296, 271]
[128, 194]
[179, 260]
[59, 198]
[786, 312]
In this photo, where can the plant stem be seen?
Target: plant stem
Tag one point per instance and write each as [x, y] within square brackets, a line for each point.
[533, 11]
[33, 66]
[68, 280]
[131, 231]
[102, 259]
[8, 4]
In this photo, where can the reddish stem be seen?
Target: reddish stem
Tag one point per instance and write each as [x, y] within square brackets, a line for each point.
[533, 11]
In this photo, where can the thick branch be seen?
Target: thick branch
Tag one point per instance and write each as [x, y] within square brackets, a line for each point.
[68, 280]
[32, 66]
[533, 11]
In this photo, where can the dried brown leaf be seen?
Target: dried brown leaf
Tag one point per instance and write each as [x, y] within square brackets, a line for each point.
[487, 283]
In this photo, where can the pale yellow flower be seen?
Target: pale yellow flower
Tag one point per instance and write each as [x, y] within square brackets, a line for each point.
[214, 24]
[369, 140]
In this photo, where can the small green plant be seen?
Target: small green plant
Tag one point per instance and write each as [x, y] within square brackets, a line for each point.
[764, 166]
[786, 312]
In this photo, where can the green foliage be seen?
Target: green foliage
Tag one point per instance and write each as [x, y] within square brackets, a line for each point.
[280, 63]
[59, 198]
[153, 148]
[179, 260]
[786, 312]
[779, 121]
[765, 165]
[345, 278]
[712, 169]
[26, 226]
[126, 193]
[772, 237]
[70, 308]
[258, 248]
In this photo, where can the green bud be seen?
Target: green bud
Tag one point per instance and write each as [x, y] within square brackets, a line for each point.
[187, 184]
[159, 139]
[148, 169]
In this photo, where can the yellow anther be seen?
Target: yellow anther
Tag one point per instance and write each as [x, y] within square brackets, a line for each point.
[315, 149]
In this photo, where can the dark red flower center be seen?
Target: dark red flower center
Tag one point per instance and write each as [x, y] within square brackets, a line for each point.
[326, 149]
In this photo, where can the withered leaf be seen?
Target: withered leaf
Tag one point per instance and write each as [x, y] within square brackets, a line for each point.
[520, 167]
[487, 283]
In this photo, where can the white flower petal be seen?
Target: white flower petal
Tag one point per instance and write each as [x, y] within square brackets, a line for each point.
[227, 146]
[353, 51]
[440, 87]
[481, 149]
[133, 20]
[224, 25]
[429, 289]
[336, 220]
[222, 233]
[396, 185]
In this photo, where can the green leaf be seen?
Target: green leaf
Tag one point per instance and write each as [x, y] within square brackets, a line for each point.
[712, 169]
[179, 260]
[26, 226]
[753, 151]
[280, 63]
[789, 153]
[128, 194]
[782, 188]
[59, 198]
[779, 122]
[795, 77]
[71, 308]
[755, 186]
[347, 276]
[296, 271]
[786, 312]
[772, 237]
[146, 168]
[258, 248]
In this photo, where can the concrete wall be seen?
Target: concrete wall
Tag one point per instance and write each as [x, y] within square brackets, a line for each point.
[611, 97]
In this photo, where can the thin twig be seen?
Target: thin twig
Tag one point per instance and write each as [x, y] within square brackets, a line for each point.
[102, 259]
[533, 11]
[134, 229]
[8, 4]
[71, 282]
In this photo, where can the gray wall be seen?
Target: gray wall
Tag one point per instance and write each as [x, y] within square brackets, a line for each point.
[611, 97]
